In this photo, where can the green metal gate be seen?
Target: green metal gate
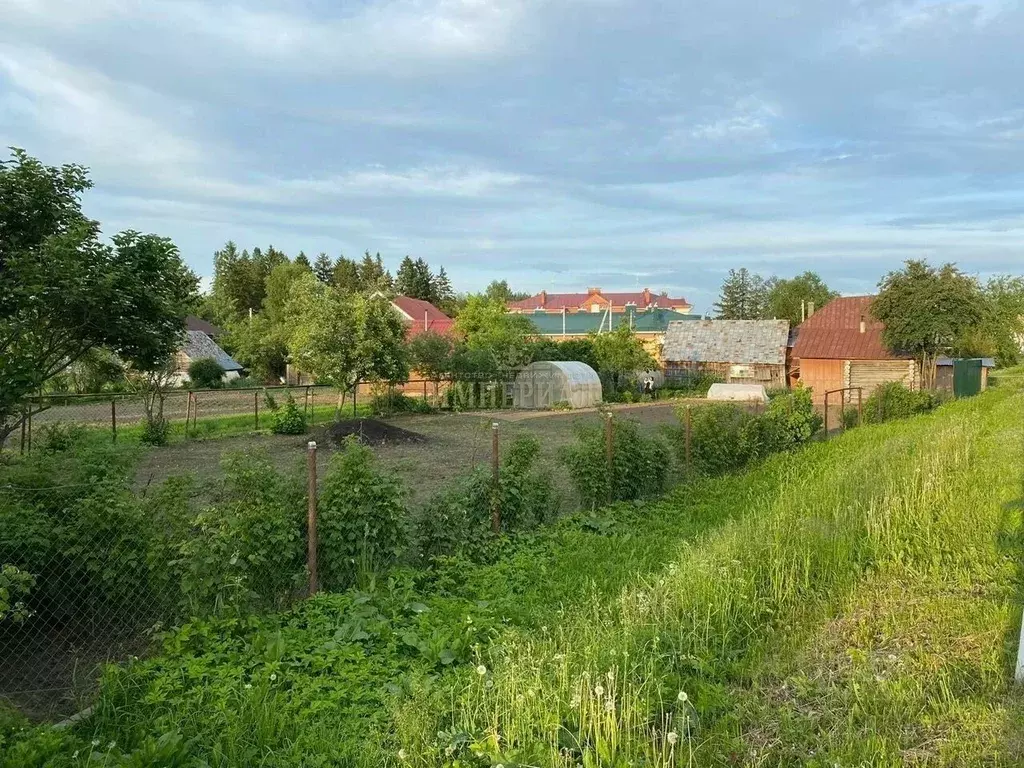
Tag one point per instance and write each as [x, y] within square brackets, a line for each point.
[966, 377]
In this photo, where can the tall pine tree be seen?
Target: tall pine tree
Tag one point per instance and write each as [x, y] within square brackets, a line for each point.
[346, 275]
[323, 268]
[743, 296]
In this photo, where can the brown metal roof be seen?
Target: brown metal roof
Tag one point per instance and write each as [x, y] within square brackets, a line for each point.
[833, 333]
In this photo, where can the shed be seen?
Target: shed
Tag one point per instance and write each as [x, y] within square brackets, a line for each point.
[842, 345]
[945, 378]
[199, 345]
[547, 382]
[742, 351]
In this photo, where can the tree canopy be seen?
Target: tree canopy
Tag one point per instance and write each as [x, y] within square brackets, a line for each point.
[63, 292]
[743, 297]
[788, 298]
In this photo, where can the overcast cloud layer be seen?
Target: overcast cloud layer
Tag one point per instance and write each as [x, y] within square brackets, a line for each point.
[555, 144]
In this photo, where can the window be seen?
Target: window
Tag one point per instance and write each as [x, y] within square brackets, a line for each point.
[741, 372]
[595, 307]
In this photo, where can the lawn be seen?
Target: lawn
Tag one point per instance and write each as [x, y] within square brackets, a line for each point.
[852, 603]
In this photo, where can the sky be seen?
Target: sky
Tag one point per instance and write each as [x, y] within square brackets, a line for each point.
[556, 144]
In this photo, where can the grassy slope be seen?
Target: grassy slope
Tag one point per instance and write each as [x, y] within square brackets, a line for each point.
[851, 604]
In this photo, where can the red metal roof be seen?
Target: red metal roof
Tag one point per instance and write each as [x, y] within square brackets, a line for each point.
[556, 301]
[833, 333]
[421, 316]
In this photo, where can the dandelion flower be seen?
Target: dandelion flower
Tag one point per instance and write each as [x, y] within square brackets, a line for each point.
[598, 690]
[489, 684]
[402, 754]
[683, 697]
[610, 675]
[574, 702]
[481, 670]
[273, 676]
[672, 738]
[609, 706]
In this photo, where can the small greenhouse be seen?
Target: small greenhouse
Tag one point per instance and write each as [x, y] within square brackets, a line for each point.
[547, 382]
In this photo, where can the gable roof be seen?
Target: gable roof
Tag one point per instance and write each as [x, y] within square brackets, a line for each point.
[554, 302]
[196, 323]
[833, 333]
[576, 323]
[421, 316]
[727, 341]
[199, 345]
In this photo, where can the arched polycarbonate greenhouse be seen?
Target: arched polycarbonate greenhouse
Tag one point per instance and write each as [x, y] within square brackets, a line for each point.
[546, 383]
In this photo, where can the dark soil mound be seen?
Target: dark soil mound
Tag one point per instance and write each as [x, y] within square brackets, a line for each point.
[370, 432]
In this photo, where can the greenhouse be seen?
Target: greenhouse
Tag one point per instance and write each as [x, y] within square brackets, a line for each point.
[546, 383]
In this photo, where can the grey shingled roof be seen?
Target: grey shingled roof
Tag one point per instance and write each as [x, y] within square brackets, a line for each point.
[198, 345]
[727, 341]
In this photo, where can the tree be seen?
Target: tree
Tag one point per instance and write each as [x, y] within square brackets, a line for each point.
[787, 299]
[743, 296]
[323, 269]
[620, 353]
[64, 293]
[432, 354]
[206, 373]
[303, 261]
[259, 345]
[373, 276]
[444, 294]
[1000, 332]
[414, 279]
[927, 310]
[346, 275]
[343, 339]
[498, 342]
[240, 279]
[499, 291]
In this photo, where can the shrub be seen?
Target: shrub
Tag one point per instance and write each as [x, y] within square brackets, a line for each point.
[287, 419]
[391, 402]
[243, 552]
[206, 373]
[58, 436]
[457, 520]
[717, 438]
[561, 405]
[361, 517]
[15, 585]
[155, 431]
[893, 400]
[639, 464]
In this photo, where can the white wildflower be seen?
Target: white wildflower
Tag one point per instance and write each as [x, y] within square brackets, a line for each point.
[111, 745]
[610, 675]
[683, 697]
[598, 690]
[95, 742]
[402, 754]
[489, 684]
[672, 738]
[75, 755]
[609, 706]
[481, 670]
[574, 701]
[248, 686]
[273, 676]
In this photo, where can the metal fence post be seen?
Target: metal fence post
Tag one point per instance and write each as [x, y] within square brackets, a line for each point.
[195, 413]
[495, 468]
[312, 551]
[312, 405]
[256, 408]
[689, 438]
[609, 450]
[113, 420]
[826, 415]
[860, 406]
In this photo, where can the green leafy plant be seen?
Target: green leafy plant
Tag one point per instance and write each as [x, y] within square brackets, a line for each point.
[15, 586]
[893, 400]
[206, 373]
[58, 436]
[561, 405]
[155, 431]
[640, 464]
[287, 419]
[361, 517]
[390, 401]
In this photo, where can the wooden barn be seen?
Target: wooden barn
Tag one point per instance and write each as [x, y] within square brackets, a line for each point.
[740, 351]
[841, 346]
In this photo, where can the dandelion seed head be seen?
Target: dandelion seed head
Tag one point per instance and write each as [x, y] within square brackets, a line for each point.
[273, 676]
[683, 697]
[598, 690]
[672, 737]
[609, 706]
[481, 670]
[402, 754]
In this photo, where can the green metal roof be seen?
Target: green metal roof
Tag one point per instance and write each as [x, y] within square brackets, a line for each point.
[581, 323]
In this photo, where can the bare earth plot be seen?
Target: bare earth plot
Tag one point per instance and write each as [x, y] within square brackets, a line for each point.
[455, 442]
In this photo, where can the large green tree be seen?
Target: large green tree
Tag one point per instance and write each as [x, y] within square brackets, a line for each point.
[789, 298]
[497, 342]
[63, 292]
[743, 296]
[1000, 332]
[620, 353]
[415, 279]
[926, 310]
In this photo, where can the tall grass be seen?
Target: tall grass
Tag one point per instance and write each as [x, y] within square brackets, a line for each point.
[643, 675]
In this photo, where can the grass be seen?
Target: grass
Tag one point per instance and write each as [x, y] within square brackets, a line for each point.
[855, 603]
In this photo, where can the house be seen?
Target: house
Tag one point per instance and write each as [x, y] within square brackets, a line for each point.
[841, 346]
[420, 316]
[736, 351]
[595, 300]
[649, 325]
[199, 345]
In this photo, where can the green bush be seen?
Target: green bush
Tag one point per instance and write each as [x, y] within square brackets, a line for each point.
[206, 373]
[155, 431]
[58, 436]
[392, 402]
[894, 400]
[457, 520]
[361, 518]
[640, 464]
[287, 419]
[15, 586]
[243, 552]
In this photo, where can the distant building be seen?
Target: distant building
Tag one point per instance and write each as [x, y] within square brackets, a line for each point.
[420, 316]
[736, 351]
[841, 346]
[649, 325]
[199, 345]
[196, 323]
[595, 300]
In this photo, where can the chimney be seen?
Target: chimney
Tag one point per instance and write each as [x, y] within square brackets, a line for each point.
[543, 298]
[810, 308]
[593, 291]
[863, 324]
[647, 297]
